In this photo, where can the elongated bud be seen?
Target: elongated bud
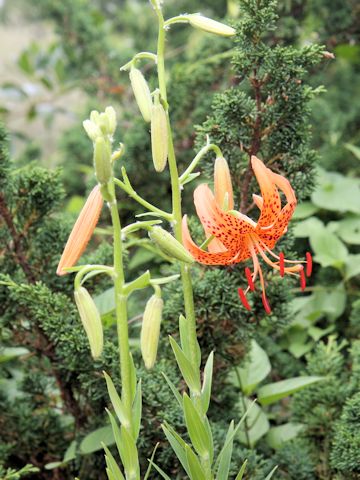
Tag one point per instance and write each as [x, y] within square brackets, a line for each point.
[223, 186]
[159, 135]
[150, 330]
[92, 130]
[111, 115]
[102, 160]
[91, 320]
[169, 245]
[82, 231]
[208, 25]
[142, 93]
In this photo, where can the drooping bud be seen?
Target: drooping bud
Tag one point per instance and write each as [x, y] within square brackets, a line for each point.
[169, 245]
[91, 129]
[223, 186]
[208, 25]
[141, 92]
[150, 330]
[102, 160]
[91, 320]
[159, 135]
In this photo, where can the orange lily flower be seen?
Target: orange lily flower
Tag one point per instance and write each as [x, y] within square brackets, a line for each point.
[82, 231]
[233, 237]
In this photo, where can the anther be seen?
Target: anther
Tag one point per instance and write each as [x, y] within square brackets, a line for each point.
[266, 303]
[249, 279]
[282, 264]
[302, 279]
[243, 299]
[308, 264]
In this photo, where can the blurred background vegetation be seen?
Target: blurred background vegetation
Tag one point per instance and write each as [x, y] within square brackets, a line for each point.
[59, 60]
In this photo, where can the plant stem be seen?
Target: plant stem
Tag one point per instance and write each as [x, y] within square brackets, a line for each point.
[121, 306]
[176, 201]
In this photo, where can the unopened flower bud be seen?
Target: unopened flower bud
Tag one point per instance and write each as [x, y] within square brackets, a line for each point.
[150, 330]
[94, 116]
[142, 93]
[91, 320]
[208, 25]
[102, 160]
[169, 245]
[92, 130]
[104, 123]
[111, 115]
[159, 136]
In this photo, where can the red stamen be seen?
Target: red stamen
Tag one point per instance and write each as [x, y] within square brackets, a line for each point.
[266, 303]
[243, 299]
[302, 279]
[249, 279]
[282, 264]
[308, 264]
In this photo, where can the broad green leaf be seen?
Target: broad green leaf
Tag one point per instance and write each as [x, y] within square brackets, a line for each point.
[136, 410]
[10, 353]
[25, 63]
[240, 475]
[207, 382]
[190, 375]
[329, 250]
[272, 392]
[195, 468]
[348, 229]
[105, 301]
[116, 402]
[70, 453]
[352, 268]
[305, 228]
[337, 193]
[304, 210]
[93, 441]
[257, 367]
[178, 445]
[112, 465]
[197, 431]
[255, 426]
[353, 148]
[225, 455]
[276, 436]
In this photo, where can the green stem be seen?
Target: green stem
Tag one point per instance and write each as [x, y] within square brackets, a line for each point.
[176, 201]
[121, 307]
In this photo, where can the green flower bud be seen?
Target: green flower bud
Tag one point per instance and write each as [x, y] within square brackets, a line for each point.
[111, 115]
[159, 135]
[150, 330]
[208, 25]
[92, 130]
[94, 116]
[91, 320]
[169, 245]
[142, 93]
[102, 160]
[104, 123]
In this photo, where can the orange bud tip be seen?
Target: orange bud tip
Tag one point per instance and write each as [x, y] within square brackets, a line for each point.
[302, 279]
[243, 299]
[308, 264]
[249, 279]
[266, 304]
[282, 264]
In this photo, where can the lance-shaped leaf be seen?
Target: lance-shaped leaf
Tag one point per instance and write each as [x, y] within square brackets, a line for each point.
[178, 445]
[116, 402]
[191, 377]
[130, 454]
[112, 465]
[136, 410]
[272, 392]
[207, 382]
[196, 470]
[173, 389]
[240, 475]
[198, 433]
[225, 455]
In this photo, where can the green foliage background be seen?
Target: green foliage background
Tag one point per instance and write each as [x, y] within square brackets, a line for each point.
[52, 393]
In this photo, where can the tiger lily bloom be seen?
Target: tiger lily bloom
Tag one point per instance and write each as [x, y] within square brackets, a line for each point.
[82, 231]
[233, 237]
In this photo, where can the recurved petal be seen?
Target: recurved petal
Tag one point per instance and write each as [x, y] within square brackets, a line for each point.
[225, 227]
[222, 184]
[82, 231]
[207, 258]
[271, 235]
[271, 204]
[284, 185]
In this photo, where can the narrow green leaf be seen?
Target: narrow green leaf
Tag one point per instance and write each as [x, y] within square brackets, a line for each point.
[184, 340]
[109, 474]
[240, 475]
[131, 460]
[173, 389]
[272, 392]
[136, 410]
[198, 433]
[117, 435]
[116, 402]
[133, 378]
[206, 388]
[162, 473]
[190, 375]
[178, 445]
[112, 464]
[271, 473]
[196, 470]
[225, 455]
[148, 470]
